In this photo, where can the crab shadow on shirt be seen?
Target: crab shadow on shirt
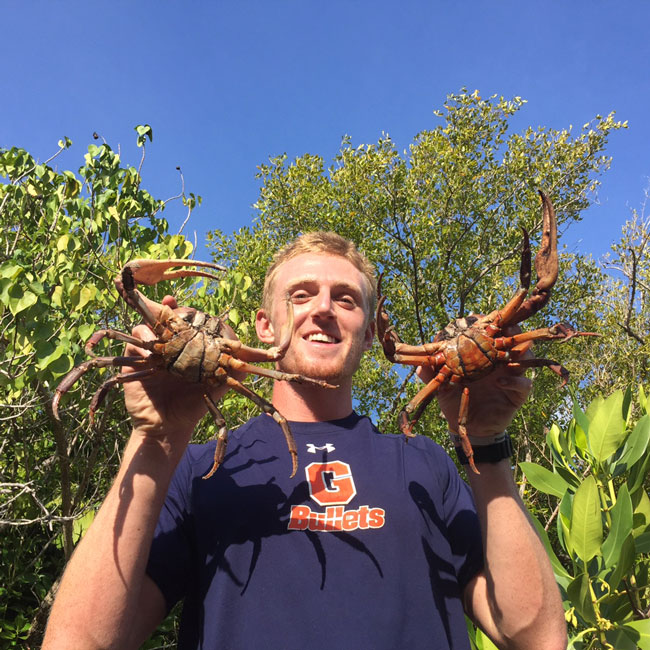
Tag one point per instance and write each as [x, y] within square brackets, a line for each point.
[247, 514]
[460, 542]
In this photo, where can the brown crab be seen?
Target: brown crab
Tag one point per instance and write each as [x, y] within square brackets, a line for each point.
[200, 348]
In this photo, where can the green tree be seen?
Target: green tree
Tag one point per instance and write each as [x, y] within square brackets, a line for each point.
[623, 354]
[64, 237]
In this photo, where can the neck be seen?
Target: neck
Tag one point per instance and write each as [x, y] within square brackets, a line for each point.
[301, 403]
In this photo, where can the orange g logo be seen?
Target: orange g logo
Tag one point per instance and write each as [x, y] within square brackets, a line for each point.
[330, 483]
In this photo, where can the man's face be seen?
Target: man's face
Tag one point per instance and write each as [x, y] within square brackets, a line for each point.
[331, 324]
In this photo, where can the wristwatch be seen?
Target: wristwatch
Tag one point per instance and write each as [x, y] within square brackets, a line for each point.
[499, 448]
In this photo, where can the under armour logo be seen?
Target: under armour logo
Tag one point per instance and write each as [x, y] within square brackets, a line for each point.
[328, 447]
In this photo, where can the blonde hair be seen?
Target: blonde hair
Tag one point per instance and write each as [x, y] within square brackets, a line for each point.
[328, 243]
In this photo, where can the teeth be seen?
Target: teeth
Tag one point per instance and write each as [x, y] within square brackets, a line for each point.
[321, 337]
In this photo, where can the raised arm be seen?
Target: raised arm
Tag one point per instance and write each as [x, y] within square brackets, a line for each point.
[515, 600]
[105, 599]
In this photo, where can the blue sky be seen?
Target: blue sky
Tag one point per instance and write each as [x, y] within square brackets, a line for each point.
[225, 85]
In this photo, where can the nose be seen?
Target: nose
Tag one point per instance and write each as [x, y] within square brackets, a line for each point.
[323, 304]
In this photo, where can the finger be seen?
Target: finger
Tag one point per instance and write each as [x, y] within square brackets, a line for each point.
[425, 373]
[144, 333]
[170, 301]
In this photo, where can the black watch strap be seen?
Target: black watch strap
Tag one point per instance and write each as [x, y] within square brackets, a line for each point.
[488, 453]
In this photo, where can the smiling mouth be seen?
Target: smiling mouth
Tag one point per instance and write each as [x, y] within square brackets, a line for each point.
[321, 338]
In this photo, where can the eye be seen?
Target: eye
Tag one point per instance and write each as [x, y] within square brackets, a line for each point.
[347, 300]
[299, 296]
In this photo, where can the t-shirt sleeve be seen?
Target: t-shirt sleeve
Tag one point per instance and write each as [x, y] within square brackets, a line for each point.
[463, 526]
[169, 564]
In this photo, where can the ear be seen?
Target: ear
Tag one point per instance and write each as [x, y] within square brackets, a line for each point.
[369, 335]
[264, 327]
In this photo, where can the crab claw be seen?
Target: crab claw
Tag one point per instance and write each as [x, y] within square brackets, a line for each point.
[385, 331]
[546, 268]
[546, 264]
[151, 272]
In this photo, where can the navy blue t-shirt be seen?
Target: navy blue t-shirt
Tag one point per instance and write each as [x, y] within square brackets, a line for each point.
[369, 546]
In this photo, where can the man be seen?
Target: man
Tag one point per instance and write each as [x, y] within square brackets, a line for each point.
[374, 544]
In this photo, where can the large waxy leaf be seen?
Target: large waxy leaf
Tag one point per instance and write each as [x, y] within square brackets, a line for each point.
[580, 595]
[620, 528]
[544, 480]
[607, 427]
[636, 444]
[624, 562]
[586, 521]
[642, 629]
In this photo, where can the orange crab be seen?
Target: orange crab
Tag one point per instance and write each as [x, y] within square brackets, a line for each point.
[471, 347]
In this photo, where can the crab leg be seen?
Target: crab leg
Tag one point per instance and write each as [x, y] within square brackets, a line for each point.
[236, 364]
[546, 267]
[505, 316]
[116, 336]
[222, 436]
[411, 413]
[422, 359]
[97, 362]
[562, 331]
[462, 429]
[267, 407]
[99, 396]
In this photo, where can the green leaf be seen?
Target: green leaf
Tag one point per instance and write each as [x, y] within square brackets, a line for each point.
[642, 542]
[642, 628]
[622, 639]
[586, 521]
[607, 427]
[636, 443]
[624, 563]
[234, 317]
[544, 480]
[9, 270]
[564, 522]
[45, 361]
[57, 296]
[483, 641]
[627, 401]
[85, 331]
[86, 294]
[579, 594]
[621, 526]
[569, 476]
[557, 441]
[643, 401]
[638, 474]
[144, 131]
[580, 417]
[26, 300]
[62, 243]
[82, 524]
